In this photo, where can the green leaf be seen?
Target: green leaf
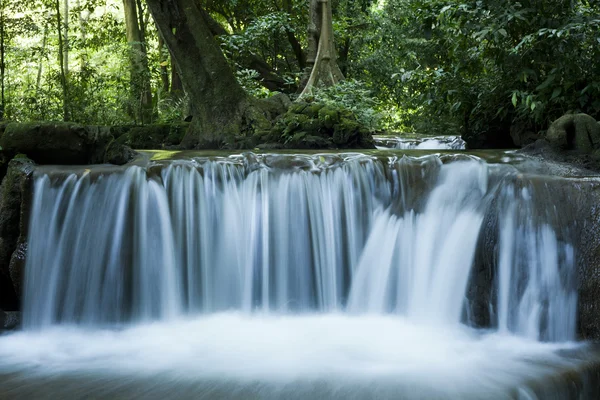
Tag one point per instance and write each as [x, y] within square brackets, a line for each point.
[546, 83]
[514, 99]
[556, 93]
[503, 32]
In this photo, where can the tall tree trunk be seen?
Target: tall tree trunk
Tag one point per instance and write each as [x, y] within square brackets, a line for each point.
[2, 62]
[220, 107]
[83, 20]
[163, 58]
[61, 60]
[38, 81]
[66, 38]
[139, 71]
[322, 57]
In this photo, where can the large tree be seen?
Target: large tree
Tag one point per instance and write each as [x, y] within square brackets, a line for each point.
[220, 106]
[322, 56]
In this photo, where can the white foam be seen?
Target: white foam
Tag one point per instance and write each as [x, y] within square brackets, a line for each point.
[283, 349]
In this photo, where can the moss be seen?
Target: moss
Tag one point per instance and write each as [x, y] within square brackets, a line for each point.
[176, 134]
[319, 126]
[329, 116]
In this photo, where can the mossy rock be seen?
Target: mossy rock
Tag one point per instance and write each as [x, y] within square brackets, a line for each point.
[118, 153]
[15, 194]
[329, 116]
[319, 126]
[579, 132]
[57, 142]
[153, 137]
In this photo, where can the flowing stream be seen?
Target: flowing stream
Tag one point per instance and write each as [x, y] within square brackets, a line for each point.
[307, 268]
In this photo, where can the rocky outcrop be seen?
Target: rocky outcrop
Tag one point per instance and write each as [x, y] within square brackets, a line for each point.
[317, 126]
[579, 132]
[15, 194]
[153, 137]
[58, 143]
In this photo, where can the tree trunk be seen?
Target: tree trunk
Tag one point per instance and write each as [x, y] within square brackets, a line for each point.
[163, 58]
[61, 60]
[322, 57]
[2, 64]
[219, 104]
[38, 81]
[66, 38]
[139, 73]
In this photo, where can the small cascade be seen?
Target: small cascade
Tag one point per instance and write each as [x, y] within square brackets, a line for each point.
[421, 143]
[287, 235]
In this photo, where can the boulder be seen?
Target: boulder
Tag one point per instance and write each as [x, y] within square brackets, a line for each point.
[579, 132]
[319, 126]
[57, 142]
[522, 135]
[118, 154]
[154, 137]
[15, 192]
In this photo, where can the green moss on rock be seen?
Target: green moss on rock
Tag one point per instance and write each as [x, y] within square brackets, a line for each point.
[319, 126]
[57, 142]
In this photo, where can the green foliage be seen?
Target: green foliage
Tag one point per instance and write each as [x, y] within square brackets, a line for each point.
[434, 66]
[354, 96]
[250, 81]
[479, 66]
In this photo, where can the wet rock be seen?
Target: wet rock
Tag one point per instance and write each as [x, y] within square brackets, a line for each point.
[543, 150]
[15, 193]
[118, 153]
[10, 320]
[57, 143]
[579, 132]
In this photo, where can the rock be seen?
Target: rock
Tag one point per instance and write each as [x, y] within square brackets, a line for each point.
[118, 153]
[57, 143]
[579, 132]
[15, 193]
[319, 126]
[10, 320]
[154, 137]
[522, 135]
[280, 102]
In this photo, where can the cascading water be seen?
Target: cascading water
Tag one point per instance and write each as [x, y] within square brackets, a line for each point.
[295, 249]
[421, 143]
[213, 236]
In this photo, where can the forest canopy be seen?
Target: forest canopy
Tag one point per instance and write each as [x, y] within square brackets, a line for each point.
[477, 68]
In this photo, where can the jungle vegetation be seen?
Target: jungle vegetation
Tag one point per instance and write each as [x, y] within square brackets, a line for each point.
[478, 68]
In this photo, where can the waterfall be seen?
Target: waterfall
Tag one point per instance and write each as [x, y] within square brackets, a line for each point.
[288, 235]
[423, 143]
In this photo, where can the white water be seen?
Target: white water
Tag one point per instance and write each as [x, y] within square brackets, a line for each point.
[372, 351]
[240, 269]
[422, 143]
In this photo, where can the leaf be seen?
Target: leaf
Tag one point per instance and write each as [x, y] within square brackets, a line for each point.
[503, 32]
[546, 83]
[514, 99]
[556, 93]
